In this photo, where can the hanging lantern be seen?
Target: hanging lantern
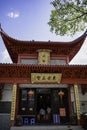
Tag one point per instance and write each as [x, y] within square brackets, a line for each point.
[61, 94]
[30, 93]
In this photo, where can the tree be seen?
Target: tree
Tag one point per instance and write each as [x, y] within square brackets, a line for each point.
[68, 16]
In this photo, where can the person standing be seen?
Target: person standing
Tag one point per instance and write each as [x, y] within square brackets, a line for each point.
[42, 113]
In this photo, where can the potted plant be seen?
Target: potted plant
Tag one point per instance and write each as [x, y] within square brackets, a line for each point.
[74, 119]
[84, 120]
[19, 120]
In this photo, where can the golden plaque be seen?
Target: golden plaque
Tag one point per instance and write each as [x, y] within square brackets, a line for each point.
[46, 77]
[44, 56]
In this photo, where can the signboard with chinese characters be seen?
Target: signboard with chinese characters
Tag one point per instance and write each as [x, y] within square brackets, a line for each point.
[77, 101]
[44, 56]
[62, 112]
[46, 77]
[13, 102]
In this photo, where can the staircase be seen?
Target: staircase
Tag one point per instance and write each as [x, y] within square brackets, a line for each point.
[56, 127]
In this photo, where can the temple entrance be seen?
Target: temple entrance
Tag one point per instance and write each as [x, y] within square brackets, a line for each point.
[43, 108]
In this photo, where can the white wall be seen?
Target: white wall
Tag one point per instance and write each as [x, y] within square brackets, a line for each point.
[7, 92]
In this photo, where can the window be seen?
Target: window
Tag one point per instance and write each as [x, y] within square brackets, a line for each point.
[29, 61]
[57, 62]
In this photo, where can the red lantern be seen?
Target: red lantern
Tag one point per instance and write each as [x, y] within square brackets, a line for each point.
[30, 93]
[61, 94]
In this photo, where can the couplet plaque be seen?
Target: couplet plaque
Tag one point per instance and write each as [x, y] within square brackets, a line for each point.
[77, 101]
[13, 105]
[46, 77]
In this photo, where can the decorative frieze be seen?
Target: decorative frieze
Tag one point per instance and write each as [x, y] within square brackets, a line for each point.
[16, 73]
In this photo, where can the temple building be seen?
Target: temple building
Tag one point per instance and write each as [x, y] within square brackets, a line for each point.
[40, 87]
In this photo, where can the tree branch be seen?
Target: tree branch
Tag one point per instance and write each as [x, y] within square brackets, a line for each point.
[76, 17]
[78, 10]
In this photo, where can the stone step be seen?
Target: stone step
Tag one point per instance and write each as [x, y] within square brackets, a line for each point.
[47, 128]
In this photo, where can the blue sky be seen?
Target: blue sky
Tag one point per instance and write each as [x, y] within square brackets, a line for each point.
[27, 20]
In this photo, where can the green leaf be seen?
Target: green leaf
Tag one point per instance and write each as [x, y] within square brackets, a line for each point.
[68, 16]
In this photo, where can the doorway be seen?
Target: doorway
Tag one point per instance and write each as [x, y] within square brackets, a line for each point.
[44, 114]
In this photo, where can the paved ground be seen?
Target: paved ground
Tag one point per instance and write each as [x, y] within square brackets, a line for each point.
[47, 128]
